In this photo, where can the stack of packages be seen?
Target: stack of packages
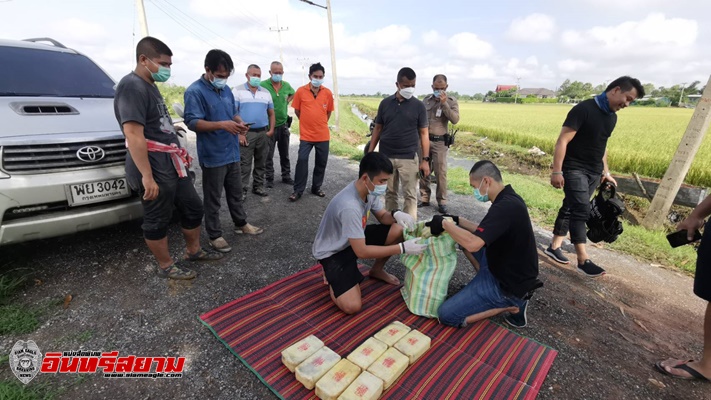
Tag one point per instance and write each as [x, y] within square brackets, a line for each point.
[367, 371]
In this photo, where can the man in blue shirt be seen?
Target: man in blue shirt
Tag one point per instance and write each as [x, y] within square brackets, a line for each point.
[255, 106]
[210, 112]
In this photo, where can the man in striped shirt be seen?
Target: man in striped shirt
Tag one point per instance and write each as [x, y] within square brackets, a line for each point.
[254, 105]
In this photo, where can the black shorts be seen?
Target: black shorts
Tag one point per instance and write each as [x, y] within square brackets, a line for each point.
[341, 269]
[702, 280]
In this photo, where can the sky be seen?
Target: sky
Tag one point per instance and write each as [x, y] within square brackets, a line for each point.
[477, 44]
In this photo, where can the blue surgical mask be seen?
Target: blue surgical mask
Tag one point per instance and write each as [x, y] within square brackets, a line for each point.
[277, 77]
[316, 82]
[436, 93]
[219, 83]
[254, 81]
[378, 190]
[477, 194]
[163, 73]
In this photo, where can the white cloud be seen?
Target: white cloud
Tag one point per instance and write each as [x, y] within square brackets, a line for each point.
[467, 45]
[78, 31]
[432, 37]
[532, 28]
[653, 37]
[482, 71]
[570, 65]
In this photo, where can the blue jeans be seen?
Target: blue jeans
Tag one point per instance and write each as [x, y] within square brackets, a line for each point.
[481, 294]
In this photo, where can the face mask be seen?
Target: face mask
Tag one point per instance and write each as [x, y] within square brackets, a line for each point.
[436, 93]
[407, 92]
[479, 196]
[277, 77]
[163, 73]
[378, 190]
[219, 82]
[254, 81]
[316, 82]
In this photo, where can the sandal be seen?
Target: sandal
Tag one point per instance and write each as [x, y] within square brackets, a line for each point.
[295, 196]
[319, 193]
[204, 255]
[176, 271]
[695, 375]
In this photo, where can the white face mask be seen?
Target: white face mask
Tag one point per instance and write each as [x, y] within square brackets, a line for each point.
[407, 92]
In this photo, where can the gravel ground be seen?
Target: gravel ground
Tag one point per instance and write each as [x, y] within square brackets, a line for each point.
[608, 331]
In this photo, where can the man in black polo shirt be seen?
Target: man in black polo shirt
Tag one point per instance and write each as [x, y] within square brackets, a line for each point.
[579, 163]
[400, 126]
[501, 247]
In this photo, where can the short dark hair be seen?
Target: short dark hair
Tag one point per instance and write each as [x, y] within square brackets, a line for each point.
[316, 67]
[485, 168]
[253, 66]
[406, 72]
[440, 76]
[152, 48]
[216, 58]
[626, 83]
[373, 164]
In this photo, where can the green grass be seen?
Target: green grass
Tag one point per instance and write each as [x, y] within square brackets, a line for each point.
[644, 140]
[15, 319]
[543, 202]
[15, 390]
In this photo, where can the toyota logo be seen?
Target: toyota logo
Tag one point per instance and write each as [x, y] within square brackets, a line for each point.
[90, 153]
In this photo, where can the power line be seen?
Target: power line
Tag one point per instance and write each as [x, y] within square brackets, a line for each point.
[180, 23]
[210, 30]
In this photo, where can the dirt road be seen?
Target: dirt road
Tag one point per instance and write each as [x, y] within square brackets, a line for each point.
[608, 331]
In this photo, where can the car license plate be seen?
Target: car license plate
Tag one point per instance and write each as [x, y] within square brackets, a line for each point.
[98, 191]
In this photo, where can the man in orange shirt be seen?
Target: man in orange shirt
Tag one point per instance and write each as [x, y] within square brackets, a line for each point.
[313, 105]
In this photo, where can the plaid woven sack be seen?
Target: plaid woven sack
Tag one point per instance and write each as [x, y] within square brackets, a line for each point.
[427, 275]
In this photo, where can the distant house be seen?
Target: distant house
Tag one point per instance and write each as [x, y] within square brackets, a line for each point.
[503, 88]
[540, 93]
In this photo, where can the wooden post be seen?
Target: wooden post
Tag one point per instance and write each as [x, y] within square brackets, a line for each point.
[674, 177]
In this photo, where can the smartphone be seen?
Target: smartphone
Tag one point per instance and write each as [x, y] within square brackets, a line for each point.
[249, 123]
[680, 238]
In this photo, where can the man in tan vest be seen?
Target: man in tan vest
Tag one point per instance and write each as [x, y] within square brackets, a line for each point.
[441, 110]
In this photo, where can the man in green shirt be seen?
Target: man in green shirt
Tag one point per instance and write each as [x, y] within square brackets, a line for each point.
[282, 93]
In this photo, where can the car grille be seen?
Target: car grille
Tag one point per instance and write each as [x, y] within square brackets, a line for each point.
[62, 156]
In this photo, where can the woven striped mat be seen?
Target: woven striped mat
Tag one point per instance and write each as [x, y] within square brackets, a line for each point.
[481, 361]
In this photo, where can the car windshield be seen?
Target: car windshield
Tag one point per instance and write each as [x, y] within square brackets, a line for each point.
[33, 72]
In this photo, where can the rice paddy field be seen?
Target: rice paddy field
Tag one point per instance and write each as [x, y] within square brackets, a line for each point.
[644, 140]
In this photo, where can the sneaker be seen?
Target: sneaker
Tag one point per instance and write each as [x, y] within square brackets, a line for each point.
[557, 255]
[423, 204]
[176, 271]
[249, 230]
[288, 181]
[590, 269]
[269, 184]
[220, 244]
[442, 209]
[519, 320]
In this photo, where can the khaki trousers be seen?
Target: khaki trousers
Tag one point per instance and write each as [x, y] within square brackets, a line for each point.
[438, 152]
[404, 171]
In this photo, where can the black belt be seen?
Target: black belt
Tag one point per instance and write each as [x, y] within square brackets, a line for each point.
[264, 128]
[436, 138]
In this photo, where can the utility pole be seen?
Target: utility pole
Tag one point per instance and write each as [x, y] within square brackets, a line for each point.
[279, 30]
[142, 18]
[685, 153]
[303, 61]
[333, 63]
[682, 93]
[518, 87]
[333, 56]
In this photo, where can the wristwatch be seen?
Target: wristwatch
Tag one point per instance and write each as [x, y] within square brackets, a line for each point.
[428, 159]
